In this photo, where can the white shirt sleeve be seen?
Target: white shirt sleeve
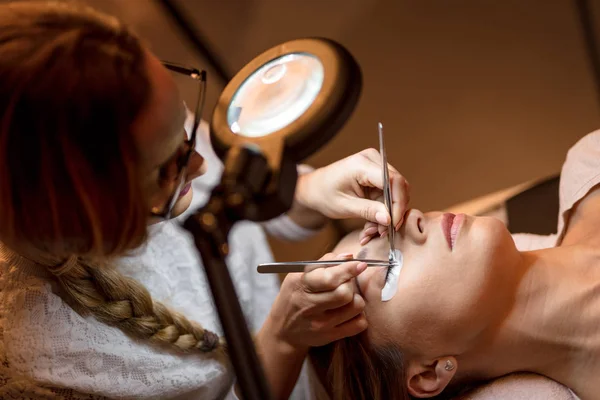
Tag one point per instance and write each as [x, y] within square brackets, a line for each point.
[283, 227]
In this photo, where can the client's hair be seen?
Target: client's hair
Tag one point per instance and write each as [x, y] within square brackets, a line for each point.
[73, 80]
[354, 368]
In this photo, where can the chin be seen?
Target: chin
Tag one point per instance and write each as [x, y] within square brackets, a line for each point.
[183, 204]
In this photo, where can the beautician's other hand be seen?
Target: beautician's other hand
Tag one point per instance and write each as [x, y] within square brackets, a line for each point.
[373, 229]
[349, 188]
[318, 307]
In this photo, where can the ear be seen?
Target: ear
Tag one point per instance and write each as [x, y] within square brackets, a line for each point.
[430, 378]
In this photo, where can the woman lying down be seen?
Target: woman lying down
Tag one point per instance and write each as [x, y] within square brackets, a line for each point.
[474, 303]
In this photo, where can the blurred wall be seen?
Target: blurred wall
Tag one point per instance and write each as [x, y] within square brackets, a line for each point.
[475, 95]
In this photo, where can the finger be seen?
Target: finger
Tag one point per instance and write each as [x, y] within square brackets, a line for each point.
[400, 198]
[371, 230]
[369, 210]
[365, 239]
[329, 278]
[369, 225]
[334, 299]
[374, 156]
[371, 154]
[312, 267]
[369, 175]
[367, 232]
[328, 257]
[334, 317]
[350, 328]
[400, 190]
[376, 194]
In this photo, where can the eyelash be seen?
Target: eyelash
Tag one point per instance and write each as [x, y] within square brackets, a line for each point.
[389, 270]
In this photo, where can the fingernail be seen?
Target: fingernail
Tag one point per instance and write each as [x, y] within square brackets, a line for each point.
[370, 231]
[382, 218]
[345, 255]
[361, 267]
[365, 240]
[383, 234]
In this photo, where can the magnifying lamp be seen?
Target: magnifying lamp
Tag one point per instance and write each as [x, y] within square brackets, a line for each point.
[277, 110]
[287, 102]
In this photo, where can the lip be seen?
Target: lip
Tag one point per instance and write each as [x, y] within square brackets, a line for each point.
[447, 223]
[455, 226]
[185, 189]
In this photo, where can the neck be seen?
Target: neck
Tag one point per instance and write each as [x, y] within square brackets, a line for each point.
[553, 327]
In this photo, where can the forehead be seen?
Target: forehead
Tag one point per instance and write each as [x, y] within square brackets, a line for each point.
[375, 249]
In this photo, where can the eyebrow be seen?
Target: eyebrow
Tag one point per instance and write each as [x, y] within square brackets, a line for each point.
[362, 253]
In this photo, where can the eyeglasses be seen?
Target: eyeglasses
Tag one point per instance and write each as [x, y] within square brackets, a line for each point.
[175, 169]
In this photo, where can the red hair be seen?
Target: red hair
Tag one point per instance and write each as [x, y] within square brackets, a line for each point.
[73, 81]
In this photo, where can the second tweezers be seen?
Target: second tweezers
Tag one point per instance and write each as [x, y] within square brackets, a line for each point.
[298, 266]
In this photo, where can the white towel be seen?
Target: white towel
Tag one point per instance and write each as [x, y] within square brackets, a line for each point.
[521, 386]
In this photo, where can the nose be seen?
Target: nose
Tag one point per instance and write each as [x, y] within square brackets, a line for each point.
[196, 166]
[415, 226]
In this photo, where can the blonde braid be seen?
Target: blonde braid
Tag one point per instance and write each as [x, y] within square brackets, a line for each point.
[120, 301]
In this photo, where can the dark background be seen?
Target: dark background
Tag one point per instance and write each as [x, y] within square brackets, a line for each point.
[475, 95]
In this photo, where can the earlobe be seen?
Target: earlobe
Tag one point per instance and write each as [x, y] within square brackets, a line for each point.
[428, 379]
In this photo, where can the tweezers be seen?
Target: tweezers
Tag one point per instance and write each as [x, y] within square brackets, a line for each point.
[298, 266]
[387, 194]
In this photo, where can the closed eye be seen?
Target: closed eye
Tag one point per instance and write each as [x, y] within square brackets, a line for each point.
[389, 270]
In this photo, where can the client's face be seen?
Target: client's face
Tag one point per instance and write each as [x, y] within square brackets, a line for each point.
[454, 283]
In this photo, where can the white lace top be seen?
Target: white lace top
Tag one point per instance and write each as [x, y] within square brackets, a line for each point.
[47, 350]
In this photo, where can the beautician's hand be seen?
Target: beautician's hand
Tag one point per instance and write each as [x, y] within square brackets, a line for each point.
[372, 229]
[349, 188]
[312, 309]
[317, 307]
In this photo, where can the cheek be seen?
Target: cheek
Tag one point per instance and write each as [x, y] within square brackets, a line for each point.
[183, 204]
[478, 287]
[409, 320]
[442, 294]
[492, 248]
[442, 286]
[196, 166]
